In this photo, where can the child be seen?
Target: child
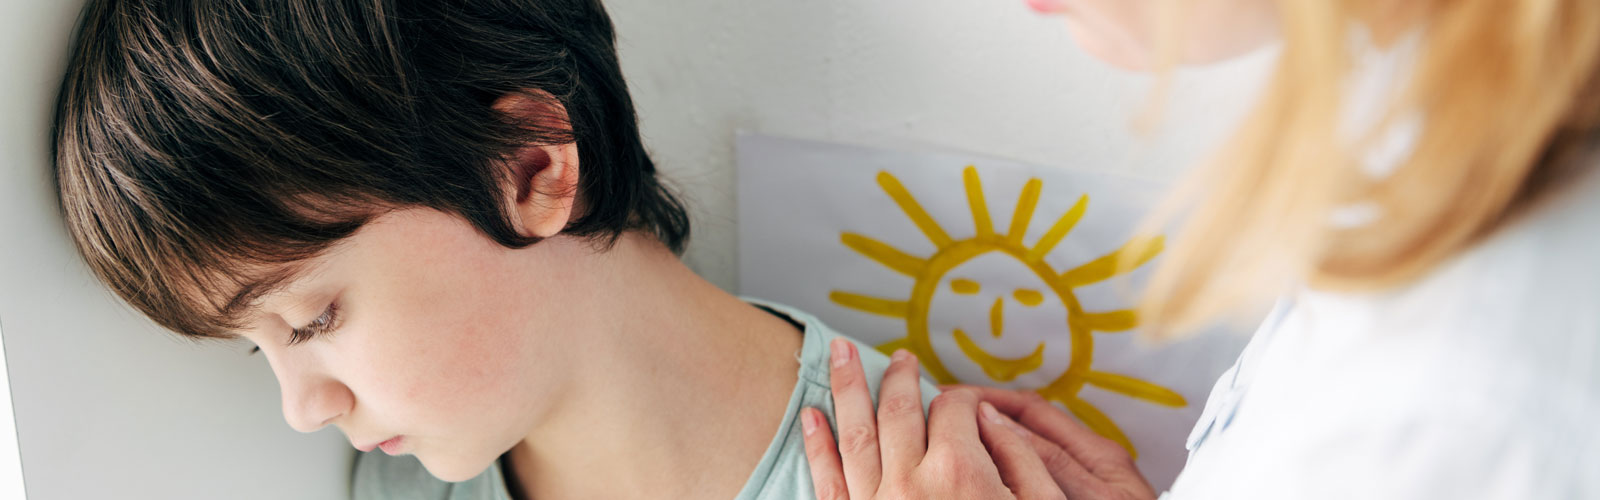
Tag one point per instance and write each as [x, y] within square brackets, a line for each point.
[439, 224]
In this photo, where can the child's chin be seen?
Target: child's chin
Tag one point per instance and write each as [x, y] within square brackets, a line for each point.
[453, 471]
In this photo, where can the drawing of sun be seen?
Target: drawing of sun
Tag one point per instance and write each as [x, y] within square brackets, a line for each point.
[949, 280]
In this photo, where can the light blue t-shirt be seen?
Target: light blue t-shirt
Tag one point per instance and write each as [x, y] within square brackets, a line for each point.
[781, 474]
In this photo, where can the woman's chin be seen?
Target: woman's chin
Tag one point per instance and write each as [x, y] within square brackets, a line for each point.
[1115, 54]
[1122, 51]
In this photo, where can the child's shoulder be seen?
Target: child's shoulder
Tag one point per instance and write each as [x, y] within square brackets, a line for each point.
[783, 473]
[815, 356]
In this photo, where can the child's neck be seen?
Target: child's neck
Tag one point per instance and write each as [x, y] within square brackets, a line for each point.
[680, 401]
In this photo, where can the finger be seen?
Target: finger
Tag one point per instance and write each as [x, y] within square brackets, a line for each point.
[1020, 467]
[827, 475]
[1054, 424]
[853, 413]
[902, 428]
[953, 422]
[1101, 458]
[1068, 474]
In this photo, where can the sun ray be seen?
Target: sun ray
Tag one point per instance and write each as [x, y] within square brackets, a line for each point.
[1097, 421]
[1135, 388]
[913, 210]
[1112, 321]
[1140, 250]
[1059, 229]
[980, 208]
[867, 304]
[1024, 213]
[890, 257]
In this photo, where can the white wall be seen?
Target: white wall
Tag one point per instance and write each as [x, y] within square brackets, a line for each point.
[108, 406]
[984, 76]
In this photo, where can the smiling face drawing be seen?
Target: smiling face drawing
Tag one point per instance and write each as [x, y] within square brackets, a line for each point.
[1006, 296]
[981, 313]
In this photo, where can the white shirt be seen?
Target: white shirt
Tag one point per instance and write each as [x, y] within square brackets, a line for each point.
[1481, 380]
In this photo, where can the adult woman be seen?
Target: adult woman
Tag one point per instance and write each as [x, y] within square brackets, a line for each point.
[1430, 231]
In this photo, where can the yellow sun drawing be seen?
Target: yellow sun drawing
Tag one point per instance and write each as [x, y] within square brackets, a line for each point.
[932, 271]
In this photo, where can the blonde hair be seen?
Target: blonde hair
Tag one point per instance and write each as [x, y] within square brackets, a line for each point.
[1506, 93]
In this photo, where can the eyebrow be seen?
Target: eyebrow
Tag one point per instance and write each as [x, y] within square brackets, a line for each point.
[248, 297]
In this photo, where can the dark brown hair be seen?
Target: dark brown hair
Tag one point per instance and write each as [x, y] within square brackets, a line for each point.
[203, 148]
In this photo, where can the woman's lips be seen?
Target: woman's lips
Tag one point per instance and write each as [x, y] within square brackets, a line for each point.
[1047, 6]
[392, 446]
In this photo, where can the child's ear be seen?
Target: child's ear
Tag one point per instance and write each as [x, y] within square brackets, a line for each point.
[543, 185]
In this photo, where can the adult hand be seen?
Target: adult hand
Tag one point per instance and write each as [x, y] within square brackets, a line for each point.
[889, 453]
[1086, 465]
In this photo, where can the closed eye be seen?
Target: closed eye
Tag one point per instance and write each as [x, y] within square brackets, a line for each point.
[327, 322]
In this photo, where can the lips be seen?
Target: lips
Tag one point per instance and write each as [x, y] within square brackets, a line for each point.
[392, 446]
[371, 446]
[1047, 6]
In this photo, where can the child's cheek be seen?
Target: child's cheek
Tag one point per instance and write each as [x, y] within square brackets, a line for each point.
[467, 369]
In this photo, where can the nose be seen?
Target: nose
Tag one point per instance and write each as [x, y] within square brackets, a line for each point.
[311, 397]
[996, 322]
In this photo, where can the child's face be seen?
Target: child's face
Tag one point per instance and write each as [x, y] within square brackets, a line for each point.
[442, 337]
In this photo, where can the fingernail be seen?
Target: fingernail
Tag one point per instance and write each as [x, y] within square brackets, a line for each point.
[988, 412]
[808, 421]
[841, 352]
[900, 355]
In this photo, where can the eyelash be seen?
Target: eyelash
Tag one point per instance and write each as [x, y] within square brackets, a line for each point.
[327, 322]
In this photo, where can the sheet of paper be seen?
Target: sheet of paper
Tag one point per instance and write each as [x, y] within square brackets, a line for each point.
[10, 456]
[993, 272]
